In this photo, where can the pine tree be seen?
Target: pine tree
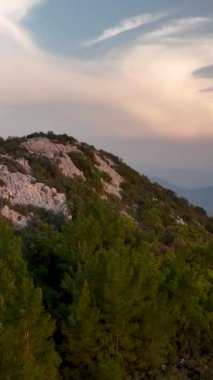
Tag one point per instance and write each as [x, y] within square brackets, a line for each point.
[26, 347]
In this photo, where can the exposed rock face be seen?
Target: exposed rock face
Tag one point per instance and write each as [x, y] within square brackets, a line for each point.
[44, 146]
[18, 220]
[67, 167]
[180, 221]
[114, 187]
[25, 165]
[59, 153]
[21, 189]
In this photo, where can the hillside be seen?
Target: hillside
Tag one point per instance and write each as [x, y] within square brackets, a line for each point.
[52, 173]
[104, 274]
[202, 197]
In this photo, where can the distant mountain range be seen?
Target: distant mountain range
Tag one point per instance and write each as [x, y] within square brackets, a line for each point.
[187, 178]
[202, 196]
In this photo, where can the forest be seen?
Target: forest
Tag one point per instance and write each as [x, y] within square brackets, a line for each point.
[95, 298]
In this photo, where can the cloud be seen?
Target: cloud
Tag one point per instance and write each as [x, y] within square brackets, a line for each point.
[124, 26]
[150, 85]
[204, 72]
[11, 12]
[17, 9]
[177, 27]
[17, 34]
[145, 89]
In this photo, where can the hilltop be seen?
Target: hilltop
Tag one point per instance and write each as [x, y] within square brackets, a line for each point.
[53, 173]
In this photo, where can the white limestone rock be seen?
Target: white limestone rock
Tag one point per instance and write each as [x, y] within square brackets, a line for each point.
[21, 189]
[45, 147]
[59, 153]
[114, 187]
[180, 221]
[67, 167]
[24, 164]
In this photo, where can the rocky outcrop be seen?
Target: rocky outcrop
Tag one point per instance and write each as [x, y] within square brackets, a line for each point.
[59, 153]
[18, 220]
[24, 164]
[67, 167]
[21, 189]
[116, 180]
[44, 146]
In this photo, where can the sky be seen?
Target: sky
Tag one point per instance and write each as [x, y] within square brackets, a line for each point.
[134, 77]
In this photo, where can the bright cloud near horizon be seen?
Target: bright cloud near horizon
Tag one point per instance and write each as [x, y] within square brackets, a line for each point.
[133, 77]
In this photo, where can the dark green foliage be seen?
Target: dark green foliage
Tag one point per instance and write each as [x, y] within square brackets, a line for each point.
[106, 177]
[26, 347]
[88, 150]
[121, 308]
[155, 206]
[209, 225]
[12, 165]
[12, 147]
[86, 165]
[168, 238]
[111, 157]
[45, 171]
[63, 139]
[82, 163]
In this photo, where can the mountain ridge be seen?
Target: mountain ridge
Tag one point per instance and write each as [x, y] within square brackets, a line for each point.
[49, 172]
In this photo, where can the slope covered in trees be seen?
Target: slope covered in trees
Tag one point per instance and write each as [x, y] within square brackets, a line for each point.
[123, 290]
[26, 344]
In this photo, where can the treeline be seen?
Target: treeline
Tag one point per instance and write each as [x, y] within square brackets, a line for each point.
[92, 299]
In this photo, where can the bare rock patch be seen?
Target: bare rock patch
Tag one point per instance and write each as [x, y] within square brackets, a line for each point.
[21, 189]
[57, 152]
[113, 187]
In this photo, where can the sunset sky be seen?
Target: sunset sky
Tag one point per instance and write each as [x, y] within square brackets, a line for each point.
[131, 76]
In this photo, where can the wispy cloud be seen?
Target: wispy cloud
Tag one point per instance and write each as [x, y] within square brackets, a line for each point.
[17, 34]
[11, 12]
[124, 26]
[176, 27]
